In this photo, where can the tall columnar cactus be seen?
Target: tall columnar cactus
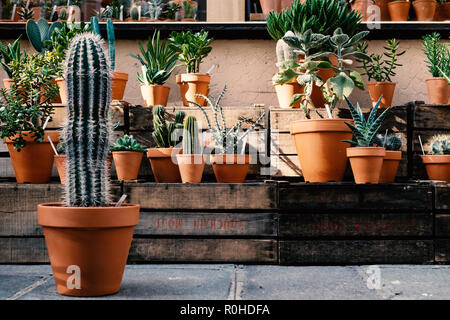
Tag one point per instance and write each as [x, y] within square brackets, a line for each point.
[87, 132]
[284, 51]
[111, 39]
[191, 141]
[166, 134]
[134, 13]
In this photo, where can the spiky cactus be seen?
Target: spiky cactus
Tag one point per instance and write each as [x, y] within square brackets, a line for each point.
[439, 145]
[166, 134]
[391, 142]
[191, 141]
[285, 52]
[87, 132]
[134, 13]
[111, 39]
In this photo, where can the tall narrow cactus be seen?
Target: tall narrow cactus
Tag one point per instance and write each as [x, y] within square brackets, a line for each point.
[165, 135]
[111, 43]
[87, 132]
[191, 142]
[284, 51]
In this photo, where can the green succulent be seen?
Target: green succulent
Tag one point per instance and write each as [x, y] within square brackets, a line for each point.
[166, 134]
[439, 145]
[172, 9]
[189, 9]
[40, 32]
[391, 142]
[127, 143]
[9, 53]
[438, 55]
[26, 14]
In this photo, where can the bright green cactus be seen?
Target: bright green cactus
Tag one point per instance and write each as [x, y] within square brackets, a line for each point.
[191, 141]
[40, 32]
[166, 134]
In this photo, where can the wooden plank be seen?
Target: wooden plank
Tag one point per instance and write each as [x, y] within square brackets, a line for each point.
[205, 196]
[204, 250]
[23, 250]
[327, 225]
[442, 225]
[431, 116]
[311, 252]
[442, 197]
[442, 250]
[19, 224]
[7, 170]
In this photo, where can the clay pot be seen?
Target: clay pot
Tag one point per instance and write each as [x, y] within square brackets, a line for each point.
[438, 167]
[285, 4]
[9, 82]
[61, 82]
[191, 167]
[183, 88]
[425, 9]
[34, 162]
[90, 242]
[361, 7]
[390, 166]
[320, 149]
[155, 95]
[230, 168]
[118, 84]
[189, 20]
[60, 161]
[127, 164]
[399, 10]
[268, 6]
[286, 92]
[164, 164]
[384, 12]
[192, 84]
[438, 90]
[385, 89]
[441, 14]
[445, 8]
[225, 11]
[366, 163]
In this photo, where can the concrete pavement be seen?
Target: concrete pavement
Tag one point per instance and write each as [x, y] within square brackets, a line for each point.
[238, 282]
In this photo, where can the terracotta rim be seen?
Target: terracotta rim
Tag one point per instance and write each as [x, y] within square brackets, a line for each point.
[318, 125]
[163, 152]
[382, 84]
[230, 158]
[436, 79]
[126, 152]
[154, 85]
[119, 76]
[181, 158]
[366, 152]
[54, 135]
[437, 158]
[195, 77]
[393, 155]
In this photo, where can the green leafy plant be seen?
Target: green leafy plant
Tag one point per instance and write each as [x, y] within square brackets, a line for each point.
[9, 53]
[127, 143]
[438, 54]
[365, 131]
[439, 145]
[172, 10]
[189, 10]
[166, 134]
[26, 13]
[158, 61]
[377, 68]
[191, 141]
[192, 48]
[40, 32]
[390, 142]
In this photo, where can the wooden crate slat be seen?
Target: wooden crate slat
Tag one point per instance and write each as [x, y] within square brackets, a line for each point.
[431, 116]
[19, 223]
[285, 166]
[23, 250]
[442, 225]
[442, 196]
[442, 250]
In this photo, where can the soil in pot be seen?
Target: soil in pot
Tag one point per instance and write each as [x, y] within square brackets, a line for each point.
[390, 166]
[155, 95]
[93, 242]
[320, 150]
[399, 10]
[192, 84]
[285, 93]
[60, 161]
[191, 167]
[438, 167]
[127, 164]
[425, 9]
[118, 85]
[230, 168]
[34, 163]
[438, 90]
[164, 164]
[366, 163]
[385, 89]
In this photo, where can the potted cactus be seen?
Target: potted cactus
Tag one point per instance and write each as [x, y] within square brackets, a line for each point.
[391, 161]
[399, 10]
[229, 161]
[189, 9]
[172, 10]
[425, 9]
[87, 234]
[127, 154]
[437, 161]
[192, 48]
[158, 61]
[135, 14]
[25, 14]
[166, 136]
[154, 10]
[192, 161]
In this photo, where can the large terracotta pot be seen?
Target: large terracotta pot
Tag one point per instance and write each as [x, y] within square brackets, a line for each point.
[390, 166]
[192, 84]
[286, 92]
[384, 12]
[366, 163]
[33, 163]
[442, 12]
[155, 95]
[230, 168]
[164, 164]
[399, 10]
[268, 6]
[127, 164]
[90, 242]
[320, 149]
[285, 4]
[438, 90]
[191, 167]
[118, 85]
[60, 161]
[425, 9]
[385, 89]
[438, 167]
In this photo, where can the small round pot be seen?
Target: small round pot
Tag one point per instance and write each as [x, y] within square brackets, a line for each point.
[88, 244]
[390, 166]
[183, 88]
[366, 163]
[438, 167]
[127, 164]
[61, 82]
[164, 164]
[191, 167]
[230, 168]
[34, 163]
[60, 161]
[438, 91]
[286, 92]
[155, 95]
[385, 89]
[399, 10]
[192, 84]
[425, 9]
[118, 85]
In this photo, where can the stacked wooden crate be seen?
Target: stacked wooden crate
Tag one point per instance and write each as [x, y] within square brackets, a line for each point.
[442, 223]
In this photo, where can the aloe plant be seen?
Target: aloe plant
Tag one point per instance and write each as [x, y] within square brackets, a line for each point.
[9, 53]
[438, 55]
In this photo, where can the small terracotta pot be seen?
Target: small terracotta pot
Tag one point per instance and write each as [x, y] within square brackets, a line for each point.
[366, 163]
[399, 10]
[445, 7]
[90, 242]
[440, 14]
[33, 163]
[127, 164]
[320, 150]
[385, 89]
[164, 164]
[390, 166]
[230, 168]
[191, 167]
[286, 92]
[155, 95]
[118, 85]
[60, 161]
[183, 88]
[194, 83]
[438, 90]
[268, 6]
[425, 9]
[438, 167]
[189, 20]
[61, 82]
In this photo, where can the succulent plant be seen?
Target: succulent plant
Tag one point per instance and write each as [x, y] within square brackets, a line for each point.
[390, 142]
[26, 13]
[439, 145]
[134, 13]
[191, 141]
[165, 134]
[87, 131]
[438, 55]
[63, 14]
[189, 9]
[40, 32]
[172, 9]
[285, 52]
[8, 53]
[127, 143]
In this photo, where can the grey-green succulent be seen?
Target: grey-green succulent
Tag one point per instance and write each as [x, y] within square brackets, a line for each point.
[439, 145]
[127, 143]
[390, 142]
[40, 32]
[166, 134]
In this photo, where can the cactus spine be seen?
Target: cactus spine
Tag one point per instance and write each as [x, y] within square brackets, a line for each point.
[166, 135]
[439, 145]
[87, 132]
[284, 51]
[191, 142]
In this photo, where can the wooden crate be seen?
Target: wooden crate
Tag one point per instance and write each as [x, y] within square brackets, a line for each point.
[442, 223]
